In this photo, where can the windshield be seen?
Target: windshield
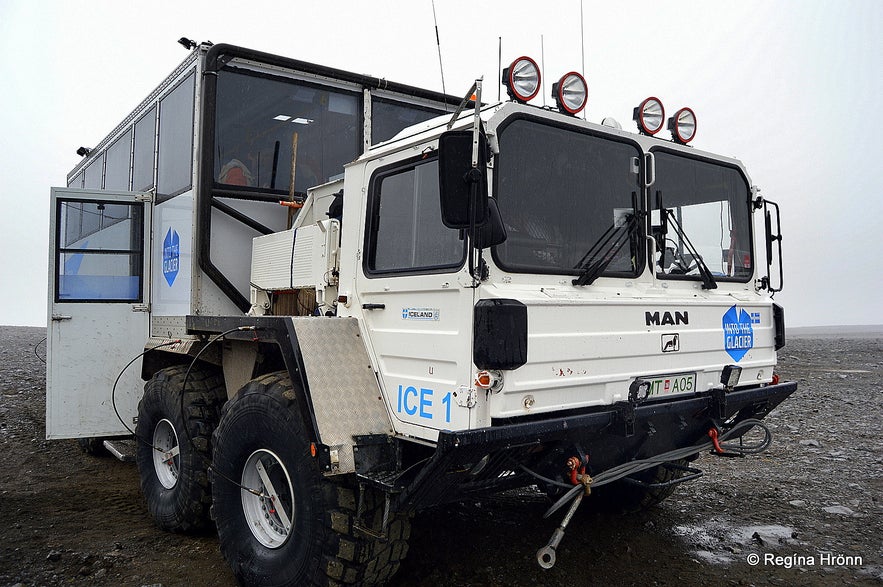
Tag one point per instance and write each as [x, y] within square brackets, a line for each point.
[709, 208]
[559, 191]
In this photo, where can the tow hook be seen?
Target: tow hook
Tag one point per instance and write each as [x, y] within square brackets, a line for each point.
[578, 476]
[546, 555]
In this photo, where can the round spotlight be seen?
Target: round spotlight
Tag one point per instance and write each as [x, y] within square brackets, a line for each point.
[571, 92]
[650, 115]
[522, 79]
[683, 126]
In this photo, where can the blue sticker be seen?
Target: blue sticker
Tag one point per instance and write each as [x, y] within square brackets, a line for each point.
[171, 254]
[738, 333]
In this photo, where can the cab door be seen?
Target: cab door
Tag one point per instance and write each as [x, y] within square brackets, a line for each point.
[417, 300]
[98, 311]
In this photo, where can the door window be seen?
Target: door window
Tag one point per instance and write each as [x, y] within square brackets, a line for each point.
[406, 233]
[100, 252]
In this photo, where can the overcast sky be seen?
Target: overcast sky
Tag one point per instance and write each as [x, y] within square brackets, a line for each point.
[792, 88]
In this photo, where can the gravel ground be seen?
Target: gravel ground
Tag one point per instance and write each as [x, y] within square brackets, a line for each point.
[808, 511]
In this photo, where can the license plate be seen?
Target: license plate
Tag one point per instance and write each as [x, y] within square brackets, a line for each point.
[670, 384]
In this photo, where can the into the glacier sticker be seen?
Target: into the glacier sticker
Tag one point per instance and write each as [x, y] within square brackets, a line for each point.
[171, 256]
[738, 333]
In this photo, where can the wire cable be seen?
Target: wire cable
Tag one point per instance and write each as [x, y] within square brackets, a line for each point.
[632, 467]
[36, 346]
[113, 390]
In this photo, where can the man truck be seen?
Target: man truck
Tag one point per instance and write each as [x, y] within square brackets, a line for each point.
[352, 299]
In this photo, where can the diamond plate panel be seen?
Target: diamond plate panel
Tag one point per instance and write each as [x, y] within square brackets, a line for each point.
[346, 397]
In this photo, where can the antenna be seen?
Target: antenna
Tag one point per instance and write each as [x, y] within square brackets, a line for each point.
[499, 67]
[438, 44]
[543, 70]
[582, 40]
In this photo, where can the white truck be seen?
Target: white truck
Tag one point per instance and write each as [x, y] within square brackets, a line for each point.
[454, 298]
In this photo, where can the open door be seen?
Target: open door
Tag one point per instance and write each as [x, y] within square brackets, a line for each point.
[98, 310]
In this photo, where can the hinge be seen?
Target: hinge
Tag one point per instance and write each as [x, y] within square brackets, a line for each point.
[146, 196]
[465, 396]
[141, 308]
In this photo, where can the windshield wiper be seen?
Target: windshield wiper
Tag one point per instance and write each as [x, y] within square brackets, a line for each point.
[708, 281]
[605, 249]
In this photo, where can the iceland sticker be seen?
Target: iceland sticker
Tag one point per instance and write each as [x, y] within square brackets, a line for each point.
[738, 333]
[171, 255]
[420, 313]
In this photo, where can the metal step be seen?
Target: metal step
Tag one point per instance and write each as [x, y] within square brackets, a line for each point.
[124, 450]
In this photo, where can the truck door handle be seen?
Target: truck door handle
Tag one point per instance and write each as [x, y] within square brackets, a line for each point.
[60, 317]
[373, 306]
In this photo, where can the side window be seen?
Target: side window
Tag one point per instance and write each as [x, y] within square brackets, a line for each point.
[264, 123]
[100, 252]
[389, 117]
[76, 181]
[116, 168]
[406, 233]
[145, 149]
[94, 173]
[175, 165]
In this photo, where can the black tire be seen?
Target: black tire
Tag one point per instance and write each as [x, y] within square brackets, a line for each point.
[92, 446]
[320, 545]
[178, 491]
[625, 497]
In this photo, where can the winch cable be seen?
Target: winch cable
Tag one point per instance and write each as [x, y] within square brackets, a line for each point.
[632, 467]
[574, 496]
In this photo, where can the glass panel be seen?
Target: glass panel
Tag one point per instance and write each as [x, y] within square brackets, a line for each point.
[116, 169]
[389, 117]
[408, 233]
[77, 181]
[89, 276]
[93, 174]
[100, 226]
[258, 119]
[145, 147]
[174, 168]
[560, 192]
[100, 251]
[711, 204]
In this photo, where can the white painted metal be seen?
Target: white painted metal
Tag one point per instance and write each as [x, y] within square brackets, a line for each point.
[268, 512]
[80, 375]
[166, 454]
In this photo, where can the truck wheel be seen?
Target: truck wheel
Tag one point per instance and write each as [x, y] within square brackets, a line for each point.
[625, 497]
[92, 446]
[280, 521]
[173, 468]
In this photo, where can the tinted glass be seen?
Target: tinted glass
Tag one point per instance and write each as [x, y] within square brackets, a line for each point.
[145, 148]
[260, 118]
[559, 193]
[407, 233]
[93, 174]
[116, 169]
[77, 181]
[174, 168]
[100, 254]
[389, 117]
[711, 203]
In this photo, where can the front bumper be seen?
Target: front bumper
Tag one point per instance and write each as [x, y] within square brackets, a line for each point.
[476, 462]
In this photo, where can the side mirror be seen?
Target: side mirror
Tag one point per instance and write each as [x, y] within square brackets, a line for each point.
[462, 188]
[494, 231]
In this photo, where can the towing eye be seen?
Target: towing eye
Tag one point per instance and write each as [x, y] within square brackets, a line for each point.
[578, 476]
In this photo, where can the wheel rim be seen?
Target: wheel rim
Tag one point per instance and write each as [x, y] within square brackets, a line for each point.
[166, 454]
[270, 514]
